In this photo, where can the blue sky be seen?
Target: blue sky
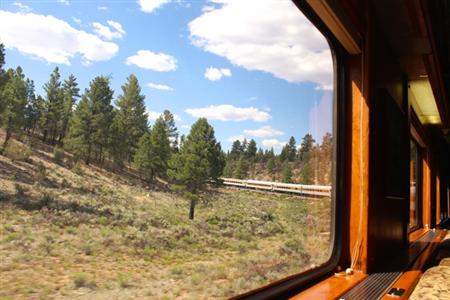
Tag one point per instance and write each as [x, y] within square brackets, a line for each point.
[255, 69]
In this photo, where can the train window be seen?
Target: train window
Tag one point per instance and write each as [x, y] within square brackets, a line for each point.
[415, 184]
[192, 153]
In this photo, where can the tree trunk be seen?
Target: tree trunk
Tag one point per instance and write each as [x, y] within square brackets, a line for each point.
[8, 133]
[191, 209]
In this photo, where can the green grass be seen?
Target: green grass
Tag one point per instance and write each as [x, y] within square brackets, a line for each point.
[98, 235]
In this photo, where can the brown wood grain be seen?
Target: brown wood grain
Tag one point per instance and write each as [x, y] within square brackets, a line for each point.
[332, 287]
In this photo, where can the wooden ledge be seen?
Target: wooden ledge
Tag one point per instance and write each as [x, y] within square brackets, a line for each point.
[410, 277]
[417, 234]
[332, 287]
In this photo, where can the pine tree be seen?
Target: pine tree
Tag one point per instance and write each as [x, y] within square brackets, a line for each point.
[292, 149]
[242, 168]
[325, 159]
[271, 165]
[130, 122]
[54, 106]
[306, 156]
[79, 139]
[251, 150]
[199, 160]
[153, 151]
[33, 108]
[90, 129]
[14, 98]
[236, 150]
[71, 93]
[2, 74]
[284, 155]
[286, 175]
[172, 131]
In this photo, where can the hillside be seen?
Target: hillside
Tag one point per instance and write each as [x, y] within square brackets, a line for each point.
[71, 230]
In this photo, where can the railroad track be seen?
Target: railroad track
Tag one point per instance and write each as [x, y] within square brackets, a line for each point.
[301, 189]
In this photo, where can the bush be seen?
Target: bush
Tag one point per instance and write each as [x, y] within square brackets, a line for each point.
[77, 168]
[124, 280]
[41, 172]
[20, 190]
[82, 280]
[18, 152]
[58, 155]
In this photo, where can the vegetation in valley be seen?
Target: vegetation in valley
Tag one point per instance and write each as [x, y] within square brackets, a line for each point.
[97, 203]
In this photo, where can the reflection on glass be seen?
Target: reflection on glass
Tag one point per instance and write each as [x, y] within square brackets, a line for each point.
[414, 186]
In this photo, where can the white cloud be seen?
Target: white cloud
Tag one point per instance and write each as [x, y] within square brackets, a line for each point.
[149, 6]
[228, 112]
[116, 25]
[66, 2]
[207, 8]
[76, 20]
[161, 87]
[22, 7]
[153, 115]
[273, 143]
[214, 74]
[233, 138]
[117, 31]
[102, 8]
[264, 132]
[62, 42]
[268, 36]
[149, 60]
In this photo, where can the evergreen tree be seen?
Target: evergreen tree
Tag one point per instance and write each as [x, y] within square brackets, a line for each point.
[33, 108]
[71, 93]
[325, 159]
[306, 147]
[130, 122]
[286, 175]
[242, 168]
[306, 156]
[89, 134]
[153, 151]
[260, 155]
[54, 106]
[284, 155]
[236, 150]
[271, 165]
[172, 131]
[2, 75]
[292, 149]
[197, 161]
[79, 139]
[14, 99]
[251, 150]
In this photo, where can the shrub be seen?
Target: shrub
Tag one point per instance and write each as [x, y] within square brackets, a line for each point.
[41, 172]
[17, 151]
[82, 280]
[46, 200]
[124, 280]
[77, 168]
[20, 190]
[58, 155]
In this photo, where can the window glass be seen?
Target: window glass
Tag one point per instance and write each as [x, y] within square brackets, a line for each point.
[414, 201]
[162, 149]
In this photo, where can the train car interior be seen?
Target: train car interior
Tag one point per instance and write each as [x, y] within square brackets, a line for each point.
[392, 153]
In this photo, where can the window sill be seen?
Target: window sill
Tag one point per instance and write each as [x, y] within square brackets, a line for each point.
[417, 234]
[332, 287]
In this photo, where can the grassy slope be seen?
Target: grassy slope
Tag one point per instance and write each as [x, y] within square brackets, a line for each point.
[92, 234]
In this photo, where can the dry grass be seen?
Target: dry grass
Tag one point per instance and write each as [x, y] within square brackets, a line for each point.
[91, 234]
